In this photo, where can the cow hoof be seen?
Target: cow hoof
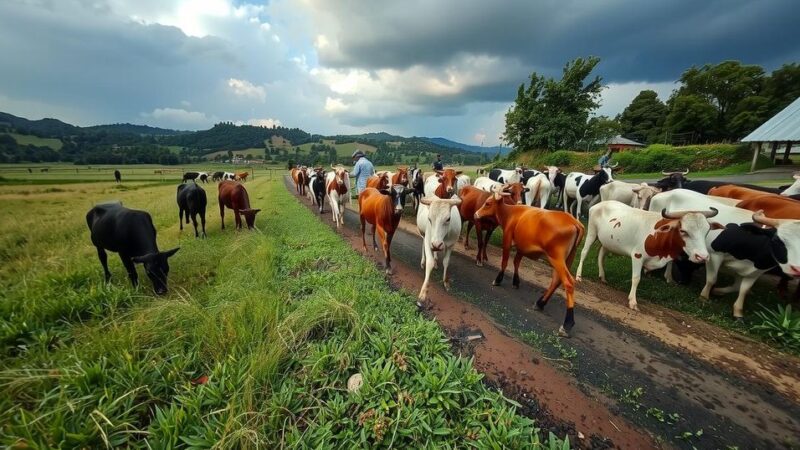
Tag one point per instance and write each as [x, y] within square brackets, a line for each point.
[633, 307]
[562, 332]
[738, 320]
[479, 263]
[516, 286]
[579, 279]
[388, 271]
[447, 287]
[495, 283]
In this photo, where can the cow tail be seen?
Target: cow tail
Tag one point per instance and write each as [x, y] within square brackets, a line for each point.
[579, 232]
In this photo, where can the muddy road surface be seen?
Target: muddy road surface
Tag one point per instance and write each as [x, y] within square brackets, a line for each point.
[649, 379]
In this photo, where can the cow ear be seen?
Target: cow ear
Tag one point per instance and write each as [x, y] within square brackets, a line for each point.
[144, 258]
[459, 172]
[169, 253]
[255, 211]
[717, 226]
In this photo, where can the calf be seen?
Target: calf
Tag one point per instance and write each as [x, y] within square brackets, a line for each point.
[650, 239]
[217, 176]
[316, 186]
[439, 223]
[337, 186]
[584, 187]
[417, 186]
[233, 195]
[382, 209]
[117, 176]
[241, 176]
[506, 176]
[190, 176]
[130, 233]
[472, 199]
[750, 251]
[191, 202]
[400, 177]
[537, 232]
[299, 178]
[443, 184]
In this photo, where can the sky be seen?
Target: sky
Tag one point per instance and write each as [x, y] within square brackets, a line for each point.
[446, 68]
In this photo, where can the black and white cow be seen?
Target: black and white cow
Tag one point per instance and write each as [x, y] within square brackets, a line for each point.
[317, 188]
[505, 176]
[538, 187]
[417, 186]
[192, 201]
[130, 233]
[584, 188]
[750, 251]
[557, 182]
[217, 176]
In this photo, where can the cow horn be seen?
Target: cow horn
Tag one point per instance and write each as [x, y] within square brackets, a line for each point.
[712, 213]
[615, 165]
[672, 215]
[759, 217]
[666, 174]
[686, 172]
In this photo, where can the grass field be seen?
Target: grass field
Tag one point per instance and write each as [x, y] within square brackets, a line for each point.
[255, 152]
[342, 149]
[23, 139]
[252, 347]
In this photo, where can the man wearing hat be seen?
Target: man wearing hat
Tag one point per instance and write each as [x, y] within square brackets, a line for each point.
[362, 170]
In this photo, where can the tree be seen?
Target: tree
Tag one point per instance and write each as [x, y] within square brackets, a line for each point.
[750, 113]
[782, 88]
[723, 86]
[644, 118]
[552, 114]
[599, 130]
[692, 114]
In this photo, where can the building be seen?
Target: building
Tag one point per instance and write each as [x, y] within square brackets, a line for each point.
[621, 144]
[780, 131]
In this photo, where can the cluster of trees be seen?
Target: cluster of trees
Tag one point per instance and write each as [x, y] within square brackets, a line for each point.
[714, 103]
[11, 152]
[229, 136]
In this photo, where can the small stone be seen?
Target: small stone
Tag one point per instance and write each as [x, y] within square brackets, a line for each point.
[354, 382]
[580, 435]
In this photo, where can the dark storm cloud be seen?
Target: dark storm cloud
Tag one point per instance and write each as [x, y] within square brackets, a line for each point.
[653, 41]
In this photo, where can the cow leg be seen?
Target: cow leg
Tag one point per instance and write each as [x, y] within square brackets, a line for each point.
[238, 219]
[466, 237]
[194, 222]
[744, 288]
[203, 221]
[445, 265]
[565, 200]
[479, 233]
[387, 250]
[103, 256]
[486, 239]
[668, 273]
[735, 287]
[565, 278]
[180, 218]
[713, 264]
[424, 254]
[222, 214]
[578, 206]
[601, 257]
[130, 267]
[636, 276]
[427, 259]
[363, 229]
[591, 236]
[517, 260]
[555, 282]
[374, 244]
[504, 262]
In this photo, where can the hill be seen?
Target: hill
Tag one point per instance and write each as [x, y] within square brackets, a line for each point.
[227, 136]
[42, 128]
[142, 130]
[444, 142]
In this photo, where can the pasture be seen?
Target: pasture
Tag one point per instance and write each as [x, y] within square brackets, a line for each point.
[27, 139]
[252, 347]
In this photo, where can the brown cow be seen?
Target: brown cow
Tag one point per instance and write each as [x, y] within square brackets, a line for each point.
[401, 176]
[379, 181]
[233, 195]
[537, 232]
[737, 192]
[382, 209]
[241, 176]
[774, 206]
[443, 184]
[300, 180]
[472, 200]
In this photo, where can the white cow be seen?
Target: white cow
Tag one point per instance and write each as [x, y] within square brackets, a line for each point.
[539, 187]
[794, 189]
[439, 223]
[584, 188]
[461, 181]
[650, 239]
[506, 175]
[486, 184]
[636, 195]
[686, 200]
[337, 184]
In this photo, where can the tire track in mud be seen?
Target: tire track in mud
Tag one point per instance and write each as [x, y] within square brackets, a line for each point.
[730, 407]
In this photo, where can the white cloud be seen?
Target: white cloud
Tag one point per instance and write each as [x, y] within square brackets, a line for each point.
[269, 123]
[244, 88]
[179, 118]
[265, 26]
[335, 105]
[617, 96]
[276, 38]
[479, 138]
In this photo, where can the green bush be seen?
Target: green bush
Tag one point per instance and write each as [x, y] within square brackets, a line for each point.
[560, 158]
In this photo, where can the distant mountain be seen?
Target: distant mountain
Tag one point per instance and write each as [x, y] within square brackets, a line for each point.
[470, 148]
[142, 130]
[375, 137]
[43, 127]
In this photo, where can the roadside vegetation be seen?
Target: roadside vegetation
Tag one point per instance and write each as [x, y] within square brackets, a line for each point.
[253, 347]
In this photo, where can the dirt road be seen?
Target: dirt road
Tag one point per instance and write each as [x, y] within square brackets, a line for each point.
[674, 380]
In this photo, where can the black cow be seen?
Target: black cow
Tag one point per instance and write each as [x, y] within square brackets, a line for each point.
[217, 176]
[191, 202]
[417, 186]
[190, 176]
[317, 183]
[591, 187]
[130, 233]
[204, 177]
[558, 187]
[673, 180]
[117, 176]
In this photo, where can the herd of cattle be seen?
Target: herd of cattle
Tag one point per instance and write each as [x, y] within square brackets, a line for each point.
[132, 235]
[748, 230]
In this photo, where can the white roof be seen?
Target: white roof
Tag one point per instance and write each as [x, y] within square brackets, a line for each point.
[784, 126]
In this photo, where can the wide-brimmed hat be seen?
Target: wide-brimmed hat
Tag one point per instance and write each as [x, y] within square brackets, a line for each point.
[358, 154]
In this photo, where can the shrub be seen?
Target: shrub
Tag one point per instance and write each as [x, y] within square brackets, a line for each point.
[781, 325]
[560, 158]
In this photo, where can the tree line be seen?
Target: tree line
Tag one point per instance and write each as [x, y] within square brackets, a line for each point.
[713, 103]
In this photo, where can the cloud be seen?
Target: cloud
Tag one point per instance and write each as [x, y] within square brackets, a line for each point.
[268, 123]
[244, 88]
[478, 138]
[179, 118]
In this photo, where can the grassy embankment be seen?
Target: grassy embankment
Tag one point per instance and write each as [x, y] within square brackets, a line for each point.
[252, 347]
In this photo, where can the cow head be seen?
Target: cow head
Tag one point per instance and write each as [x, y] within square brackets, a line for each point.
[672, 180]
[439, 217]
[340, 173]
[250, 217]
[157, 268]
[491, 206]
[448, 180]
[643, 194]
[681, 231]
[516, 191]
[417, 182]
[785, 245]
[402, 176]
[398, 194]
[605, 173]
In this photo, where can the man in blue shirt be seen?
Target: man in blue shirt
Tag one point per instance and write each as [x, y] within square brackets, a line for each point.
[362, 170]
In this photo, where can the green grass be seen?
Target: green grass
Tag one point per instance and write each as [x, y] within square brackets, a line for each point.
[23, 139]
[252, 347]
[255, 152]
